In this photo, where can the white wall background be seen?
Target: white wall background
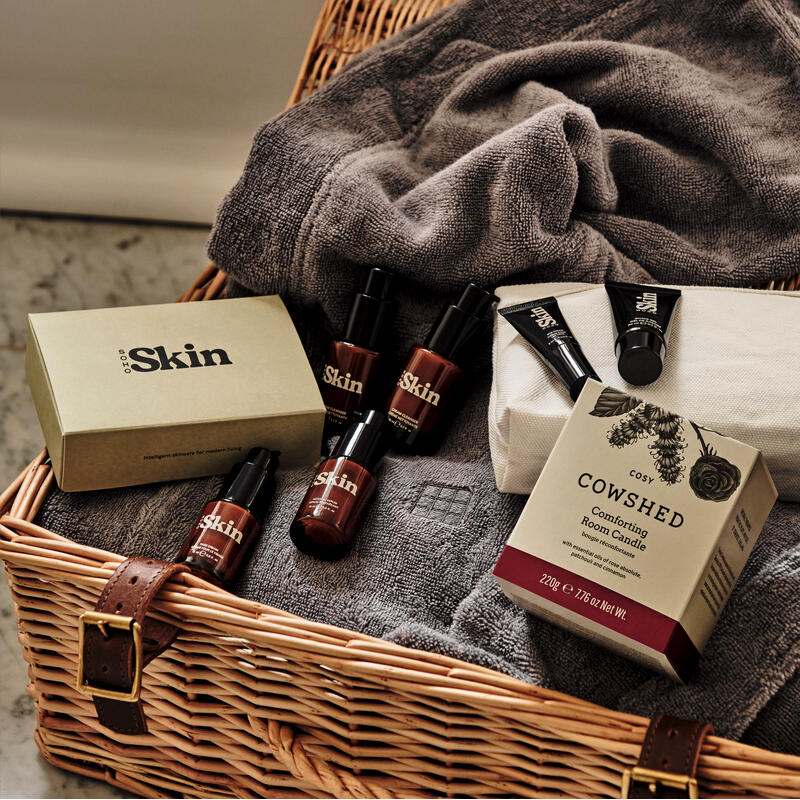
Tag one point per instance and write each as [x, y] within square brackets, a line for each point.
[139, 108]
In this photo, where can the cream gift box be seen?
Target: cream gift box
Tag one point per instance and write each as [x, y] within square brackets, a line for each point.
[731, 362]
[153, 393]
[637, 529]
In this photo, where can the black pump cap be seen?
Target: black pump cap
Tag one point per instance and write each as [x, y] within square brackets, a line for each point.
[641, 354]
[474, 300]
[371, 311]
[365, 441]
[249, 483]
[379, 282]
[459, 324]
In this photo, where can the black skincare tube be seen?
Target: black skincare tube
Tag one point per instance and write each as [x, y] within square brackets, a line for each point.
[541, 323]
[642, 314]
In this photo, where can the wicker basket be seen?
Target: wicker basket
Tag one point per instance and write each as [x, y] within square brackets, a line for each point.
[253, 701]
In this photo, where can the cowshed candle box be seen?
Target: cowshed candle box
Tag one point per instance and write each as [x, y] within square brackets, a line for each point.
[637, 529]
[152, 393]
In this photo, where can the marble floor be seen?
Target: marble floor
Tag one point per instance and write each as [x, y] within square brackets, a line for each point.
[56, 264]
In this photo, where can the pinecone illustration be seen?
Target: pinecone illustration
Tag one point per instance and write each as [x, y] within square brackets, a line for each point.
[668, 447]
[633, 426]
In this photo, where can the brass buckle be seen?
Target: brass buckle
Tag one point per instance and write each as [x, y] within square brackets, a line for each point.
[654, 777]
[101, 619]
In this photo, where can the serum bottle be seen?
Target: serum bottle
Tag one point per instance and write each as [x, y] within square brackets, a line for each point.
[352, 369]
[224, 535]
[428, 385]
[334, 504]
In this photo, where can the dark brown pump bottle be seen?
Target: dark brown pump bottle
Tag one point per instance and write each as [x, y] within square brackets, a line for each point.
[343, 486]
[223, 537]
[421, 402]
[353, 368]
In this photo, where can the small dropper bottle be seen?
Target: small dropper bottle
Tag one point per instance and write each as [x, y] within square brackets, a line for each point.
[343, 486]
[353, 367]
[228, 527]
[422, 400]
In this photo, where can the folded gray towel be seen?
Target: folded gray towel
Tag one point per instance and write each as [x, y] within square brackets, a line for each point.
[513, 142]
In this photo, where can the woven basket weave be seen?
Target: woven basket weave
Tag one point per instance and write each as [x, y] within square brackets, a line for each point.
[253, 701]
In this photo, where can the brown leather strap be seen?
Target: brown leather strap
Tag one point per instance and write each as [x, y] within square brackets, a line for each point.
[671, 745]
[108, 651]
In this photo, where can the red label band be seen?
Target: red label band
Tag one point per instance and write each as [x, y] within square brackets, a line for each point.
[601, 605]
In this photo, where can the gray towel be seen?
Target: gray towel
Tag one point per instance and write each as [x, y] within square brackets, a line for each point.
[513, 142]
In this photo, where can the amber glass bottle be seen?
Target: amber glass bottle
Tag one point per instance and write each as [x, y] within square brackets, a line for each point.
[224, 535]
[422, 400]
[343, 486]
[353, 367]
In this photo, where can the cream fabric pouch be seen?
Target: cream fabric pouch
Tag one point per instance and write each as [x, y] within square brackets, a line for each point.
[732, 364]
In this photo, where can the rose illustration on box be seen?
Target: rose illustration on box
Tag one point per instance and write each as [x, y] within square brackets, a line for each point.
[711, 477]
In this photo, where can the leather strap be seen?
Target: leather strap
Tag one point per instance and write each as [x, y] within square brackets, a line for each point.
[109, 653]
[671, 745]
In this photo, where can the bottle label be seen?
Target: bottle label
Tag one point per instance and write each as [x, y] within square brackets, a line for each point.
[413, 385]
[332, 479]
[221, 539]
[401, 420]
[215, 522]
[424, 390]
[347, 380]
[336, 499]
[333, 377]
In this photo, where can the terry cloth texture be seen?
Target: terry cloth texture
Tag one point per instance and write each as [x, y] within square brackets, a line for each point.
[513, 142]
[731, 365]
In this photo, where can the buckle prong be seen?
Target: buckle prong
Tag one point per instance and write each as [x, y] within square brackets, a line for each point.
[103, 621]
[654, 778]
